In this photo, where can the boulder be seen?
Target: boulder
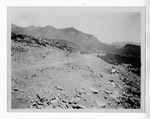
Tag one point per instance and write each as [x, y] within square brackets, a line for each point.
[93, 90]
[108, 92]
[16, 89]
[100, 104]
[39, 103]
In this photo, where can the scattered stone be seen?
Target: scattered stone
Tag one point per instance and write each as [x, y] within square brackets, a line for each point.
[44, 99]
[105, 97]
[62, 105]
[81, 106]
[107, 91]
[78, 91]
[78, 106]
[64, 100]
[113, 71]
[74, 100]
[34, 104]
[59, 88]
[74, 106]
[84, 98]
[115, 96]
[77, 95]
[117, 100]
[93, 90]
[16, 89]
[111, 80]
[39, 103]
[100, 104]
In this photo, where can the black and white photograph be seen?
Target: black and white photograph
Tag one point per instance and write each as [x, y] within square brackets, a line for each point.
[76, 58]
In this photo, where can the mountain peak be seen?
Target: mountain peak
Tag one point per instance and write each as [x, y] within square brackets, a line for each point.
[49, 26]
[31, 26]
[13, 25]
[71, 28]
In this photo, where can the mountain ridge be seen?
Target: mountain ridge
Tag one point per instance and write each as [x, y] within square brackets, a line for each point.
[87, 42]
[83, 40]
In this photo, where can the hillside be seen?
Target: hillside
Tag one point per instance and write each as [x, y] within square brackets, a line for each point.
[132, 50]
[53, 74]
[128, 55]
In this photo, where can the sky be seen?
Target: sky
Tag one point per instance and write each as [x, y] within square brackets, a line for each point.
[107, 26]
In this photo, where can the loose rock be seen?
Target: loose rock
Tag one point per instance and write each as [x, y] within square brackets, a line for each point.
[59, 88]
[16, 89]
[108, 92]
[93, 90]
[81, 106]
[100, 104]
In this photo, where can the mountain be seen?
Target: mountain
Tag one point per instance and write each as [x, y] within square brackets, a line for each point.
[121, 44]
[87, 42]
[24, 30]
[128, 48]
[132, 50]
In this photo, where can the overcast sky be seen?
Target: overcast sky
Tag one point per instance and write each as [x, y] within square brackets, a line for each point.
[107, 26]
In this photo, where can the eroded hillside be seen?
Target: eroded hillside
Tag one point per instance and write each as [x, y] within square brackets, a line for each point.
[53, 74]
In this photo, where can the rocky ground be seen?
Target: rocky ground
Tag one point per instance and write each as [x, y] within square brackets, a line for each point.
[49, 78]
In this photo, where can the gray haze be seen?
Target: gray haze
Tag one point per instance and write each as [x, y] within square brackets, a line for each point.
[107, 27]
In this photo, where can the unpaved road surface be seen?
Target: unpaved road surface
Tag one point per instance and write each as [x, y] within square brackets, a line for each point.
[85, 82]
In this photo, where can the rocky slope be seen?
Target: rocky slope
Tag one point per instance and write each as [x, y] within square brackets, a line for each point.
[128, 55]
[53, 74]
